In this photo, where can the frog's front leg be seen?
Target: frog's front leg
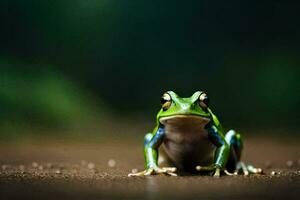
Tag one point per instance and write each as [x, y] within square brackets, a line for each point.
[221, 153]
[234, 164]
[151, 145]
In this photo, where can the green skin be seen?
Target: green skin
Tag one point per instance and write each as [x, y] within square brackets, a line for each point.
[184, 115]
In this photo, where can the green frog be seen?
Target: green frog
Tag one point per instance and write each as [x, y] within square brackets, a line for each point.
[188, 138]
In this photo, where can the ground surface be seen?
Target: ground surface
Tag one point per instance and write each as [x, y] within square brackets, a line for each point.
[98, 170]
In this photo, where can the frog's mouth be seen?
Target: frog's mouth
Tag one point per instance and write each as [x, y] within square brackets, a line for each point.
[189, 120]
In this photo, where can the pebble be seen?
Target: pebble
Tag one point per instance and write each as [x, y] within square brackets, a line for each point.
[83, 162]
[4, 167]
[57, 171]
[91, 165]
[61, 166]
[40, 167]
[273, 173]
[49, 165]
[35, 164]
[289, 163]
[134, 170]
[21, 167]
[111, 163]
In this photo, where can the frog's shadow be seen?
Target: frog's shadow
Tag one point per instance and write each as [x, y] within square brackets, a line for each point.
[193, 174]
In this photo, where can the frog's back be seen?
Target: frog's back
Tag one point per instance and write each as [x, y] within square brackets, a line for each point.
[186, 143]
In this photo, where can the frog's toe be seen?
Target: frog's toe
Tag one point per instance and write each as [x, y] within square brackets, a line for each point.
[205, 168]
[241, 168]
[170, 169]
[156, 171]
[229, 173]
[217, 173]
[253, 170]
[137, 174]
[146, 172]
[215, 170]
[167, 170]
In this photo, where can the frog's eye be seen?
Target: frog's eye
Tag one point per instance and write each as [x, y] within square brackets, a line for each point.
[203, 100]
[166, 101]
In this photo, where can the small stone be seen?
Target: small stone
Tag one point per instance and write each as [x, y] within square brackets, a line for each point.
[40, 167]
[49, 165]
[289, 163]
[35, 164]
[83, 162]
[273, 173]
[57, 171]
[4, 167]
[111, 163]
[91, 165]
[21, 167]
[134, 170]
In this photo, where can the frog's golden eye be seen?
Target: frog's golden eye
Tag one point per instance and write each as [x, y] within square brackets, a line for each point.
[203, 100]
[166, 101]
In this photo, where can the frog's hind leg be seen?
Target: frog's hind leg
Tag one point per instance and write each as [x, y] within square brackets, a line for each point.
[236, 146]
[234, 164]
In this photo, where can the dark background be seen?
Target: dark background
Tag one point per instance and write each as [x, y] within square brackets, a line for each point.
[73, 65]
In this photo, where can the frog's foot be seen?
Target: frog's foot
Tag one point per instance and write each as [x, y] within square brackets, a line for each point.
[156, 171]
[215, 169]
[241, 168]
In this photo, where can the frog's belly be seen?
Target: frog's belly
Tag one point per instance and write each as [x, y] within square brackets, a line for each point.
[186, 144]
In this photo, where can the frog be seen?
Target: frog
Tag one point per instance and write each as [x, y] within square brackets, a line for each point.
[189, 139]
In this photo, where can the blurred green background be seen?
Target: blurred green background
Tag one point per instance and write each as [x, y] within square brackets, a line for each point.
[100, 66]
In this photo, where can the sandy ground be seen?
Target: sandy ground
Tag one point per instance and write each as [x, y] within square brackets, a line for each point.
[60, 169]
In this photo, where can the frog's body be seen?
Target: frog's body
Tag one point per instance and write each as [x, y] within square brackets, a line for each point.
[186, 143]
[190, 138]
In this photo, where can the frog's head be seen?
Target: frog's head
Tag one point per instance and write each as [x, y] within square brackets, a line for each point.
[176, 108]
